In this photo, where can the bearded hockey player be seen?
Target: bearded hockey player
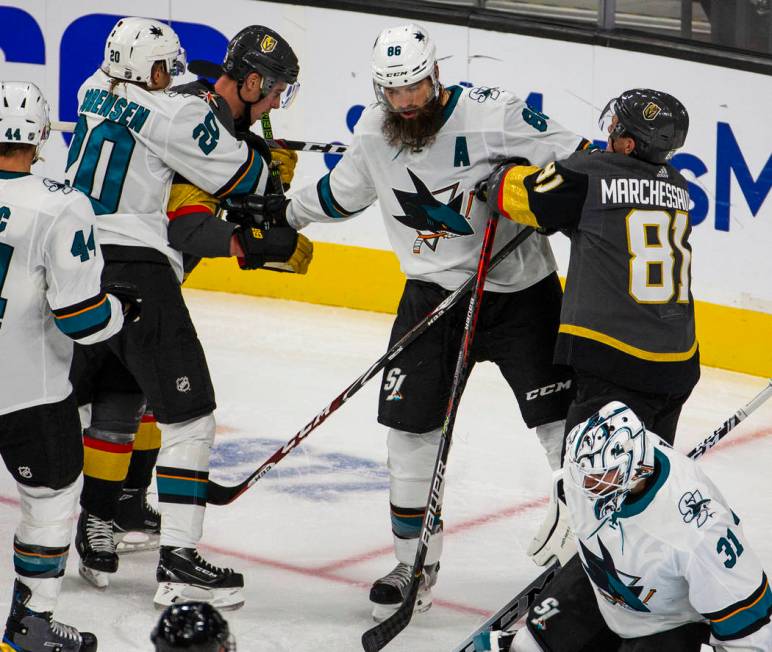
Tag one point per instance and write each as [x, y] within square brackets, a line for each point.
[419, 151]
[663, 561]
[50, 268]
[153, 135]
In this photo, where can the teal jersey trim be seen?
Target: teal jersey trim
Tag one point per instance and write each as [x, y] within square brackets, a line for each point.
[86, 322]
[744, 617]
[447, 110]
[634, 505]
[4, 174]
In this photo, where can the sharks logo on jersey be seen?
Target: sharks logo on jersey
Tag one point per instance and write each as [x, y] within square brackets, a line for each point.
[430, 217]
[617, 587]
[695, 508]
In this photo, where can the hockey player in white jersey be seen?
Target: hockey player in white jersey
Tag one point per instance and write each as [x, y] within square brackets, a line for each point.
[133, 137]
[50, 296]
[419, 151]
[668, 563]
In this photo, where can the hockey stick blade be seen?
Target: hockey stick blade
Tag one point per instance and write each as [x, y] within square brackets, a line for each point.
[376, 638]
[218, 494]
[516, 608]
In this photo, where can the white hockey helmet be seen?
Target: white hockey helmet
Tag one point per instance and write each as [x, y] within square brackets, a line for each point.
[403, 56]
[135, 44]
[608, 453]
[23, 115]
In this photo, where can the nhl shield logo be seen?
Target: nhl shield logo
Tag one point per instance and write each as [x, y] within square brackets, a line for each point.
[651, 111]
[268, 44]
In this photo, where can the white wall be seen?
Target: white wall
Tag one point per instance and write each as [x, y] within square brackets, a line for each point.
[732, 262]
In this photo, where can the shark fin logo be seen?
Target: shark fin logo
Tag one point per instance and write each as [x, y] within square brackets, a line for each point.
[430, 217]
[694, 507]
[616, 587]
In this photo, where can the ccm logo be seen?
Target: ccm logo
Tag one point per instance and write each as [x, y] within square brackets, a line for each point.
[546, 390]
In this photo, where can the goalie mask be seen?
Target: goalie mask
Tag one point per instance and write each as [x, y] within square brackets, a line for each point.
[403, 56]
[607, 454]
[194, 627]
[657, 121]
[23, 115]
[135, 44]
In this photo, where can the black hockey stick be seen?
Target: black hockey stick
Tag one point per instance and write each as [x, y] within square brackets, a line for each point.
[518, 606]
[379, 636]
[222, 495]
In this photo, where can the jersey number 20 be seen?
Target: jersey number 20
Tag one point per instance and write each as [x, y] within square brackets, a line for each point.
[104, 200]
[659, 264]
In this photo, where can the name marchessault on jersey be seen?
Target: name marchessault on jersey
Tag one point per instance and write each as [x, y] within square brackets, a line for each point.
[650, 192]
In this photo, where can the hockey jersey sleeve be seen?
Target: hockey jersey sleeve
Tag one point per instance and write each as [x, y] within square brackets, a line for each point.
[728, 586]
[203, 151]
[193, 227]
[73, 263]
[548, 198]
[340, 194]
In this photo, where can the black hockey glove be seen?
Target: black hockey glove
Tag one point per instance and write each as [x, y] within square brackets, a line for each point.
[128, 295]
[481, 187]
[281, 249]
[263, 211]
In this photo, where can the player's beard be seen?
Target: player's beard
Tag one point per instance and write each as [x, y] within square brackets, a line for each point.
[415, 133]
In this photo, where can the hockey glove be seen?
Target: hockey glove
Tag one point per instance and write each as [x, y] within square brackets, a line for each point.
[481, 187]
[263, 211]
[284, 160]
[555, 540]
[280, 249]
[128, 295]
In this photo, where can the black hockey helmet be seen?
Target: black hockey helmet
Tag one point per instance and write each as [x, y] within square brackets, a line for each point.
[194, 627]
[259, 49]
[656, 120]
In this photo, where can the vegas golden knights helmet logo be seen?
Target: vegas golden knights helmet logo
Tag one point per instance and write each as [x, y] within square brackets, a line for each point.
[651, 111]
[268, 44]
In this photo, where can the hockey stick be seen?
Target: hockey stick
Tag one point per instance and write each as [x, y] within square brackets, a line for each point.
[518, 606]
[279, 143]
[222, 495]
[379, 636]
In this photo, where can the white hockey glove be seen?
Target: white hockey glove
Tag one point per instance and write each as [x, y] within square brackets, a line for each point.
[555, 539]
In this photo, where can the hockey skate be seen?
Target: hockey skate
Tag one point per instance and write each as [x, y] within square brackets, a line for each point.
[184, 576]
[95, 545]
[29, 631]
[137, 524]
[388, 592]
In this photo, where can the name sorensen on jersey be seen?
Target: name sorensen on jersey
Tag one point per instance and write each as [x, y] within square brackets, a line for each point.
[650, 192]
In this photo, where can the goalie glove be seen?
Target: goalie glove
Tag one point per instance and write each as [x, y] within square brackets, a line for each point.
[263, 211]
[280, 249]
[555, 540]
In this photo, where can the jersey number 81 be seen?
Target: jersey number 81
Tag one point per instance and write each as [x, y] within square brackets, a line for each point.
[659, 264]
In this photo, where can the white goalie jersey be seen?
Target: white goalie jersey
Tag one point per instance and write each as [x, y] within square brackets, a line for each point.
[127, 146]
[50, 296]
[672, 555]
[434, 222]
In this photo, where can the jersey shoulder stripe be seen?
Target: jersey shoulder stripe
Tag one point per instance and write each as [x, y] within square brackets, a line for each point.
[244, 181]
[743, 617]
